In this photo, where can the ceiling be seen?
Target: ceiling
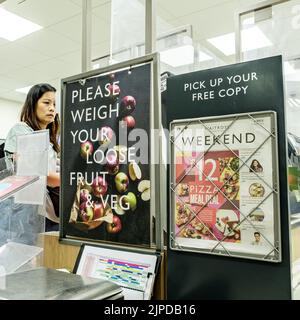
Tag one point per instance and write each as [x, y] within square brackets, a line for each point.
[54, 52]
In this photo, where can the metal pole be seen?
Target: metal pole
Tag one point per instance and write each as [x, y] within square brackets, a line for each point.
[86, 35]
[150, 26]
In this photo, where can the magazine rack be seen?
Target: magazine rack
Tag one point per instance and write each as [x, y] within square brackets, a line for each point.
[224, 186]
[22, 205]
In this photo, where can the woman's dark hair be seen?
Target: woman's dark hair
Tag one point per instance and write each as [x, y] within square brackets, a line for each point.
[28, 113]
[258, 164]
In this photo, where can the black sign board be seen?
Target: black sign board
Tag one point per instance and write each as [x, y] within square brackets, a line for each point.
[105, 156]
[234, 89]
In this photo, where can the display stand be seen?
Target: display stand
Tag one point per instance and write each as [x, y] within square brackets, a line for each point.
[22, 203]
[21, 223]
[110, 158]
[254, 86]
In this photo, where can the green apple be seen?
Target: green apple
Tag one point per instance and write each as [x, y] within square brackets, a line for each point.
[130, 199]
[122, 182]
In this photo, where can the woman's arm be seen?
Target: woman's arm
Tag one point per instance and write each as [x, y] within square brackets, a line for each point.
[53, 179]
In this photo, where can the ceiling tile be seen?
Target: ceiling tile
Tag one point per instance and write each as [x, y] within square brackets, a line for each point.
[43, 12]
[164, 14]
[9, 83]
[6, 66]
[14, 96]
[95, 3]
[49, 43]
[15, 53]
[73, 58]
[55, 68]
[70, 28]
[29, 76]
[182, 8]
[103, 11]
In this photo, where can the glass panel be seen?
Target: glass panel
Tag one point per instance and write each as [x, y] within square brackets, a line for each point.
[101, 33]
[275, 31]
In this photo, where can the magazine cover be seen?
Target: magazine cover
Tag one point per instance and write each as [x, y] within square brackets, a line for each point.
[106, 150]
[223, 175]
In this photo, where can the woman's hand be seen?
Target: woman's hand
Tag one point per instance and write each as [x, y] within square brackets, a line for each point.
[53, 179]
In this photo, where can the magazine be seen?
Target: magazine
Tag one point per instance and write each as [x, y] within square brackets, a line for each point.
[14, 183]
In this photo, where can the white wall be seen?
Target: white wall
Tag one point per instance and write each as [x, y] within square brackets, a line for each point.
[9, 115]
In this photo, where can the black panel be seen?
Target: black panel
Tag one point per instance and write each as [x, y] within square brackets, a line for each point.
[204, 276]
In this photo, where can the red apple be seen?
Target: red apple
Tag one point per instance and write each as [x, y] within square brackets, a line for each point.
[128, 104]
[99, 186]
[98, 210]
[112, 163]
[111, 77]
[86, 149]
[129, 121]
[87, 214]
[106, 134]
[84, 195]
[115, 226]
[83, 206]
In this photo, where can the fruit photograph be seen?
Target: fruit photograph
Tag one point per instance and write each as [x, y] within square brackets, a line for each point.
[106, 188]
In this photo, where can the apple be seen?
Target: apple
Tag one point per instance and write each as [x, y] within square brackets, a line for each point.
[144, 188]
[83, 206]
[128, 121]
[112, 163]
[134, 171]
[115, 226]
[86, 186]
[106, 134]
[87, 214]
[111, 77]
[130, 199]
[114, 91]
[99, 186]
[84, 195]
[98, 210]
[119, 209]
[127, 106]
[86, 149]
[122, 182]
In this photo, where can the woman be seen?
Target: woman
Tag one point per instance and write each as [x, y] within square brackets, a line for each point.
[255, 166]
[38, 113]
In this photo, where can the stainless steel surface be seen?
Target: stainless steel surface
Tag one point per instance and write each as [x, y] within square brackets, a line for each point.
[51, 284]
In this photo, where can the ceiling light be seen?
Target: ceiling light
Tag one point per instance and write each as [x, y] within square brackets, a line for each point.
[224, 43]
[291, 74]
[248, 21]
[252, 38]
[179, 56]
[13, 27]
[24, 90]
[204, 57]
[288, 68]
